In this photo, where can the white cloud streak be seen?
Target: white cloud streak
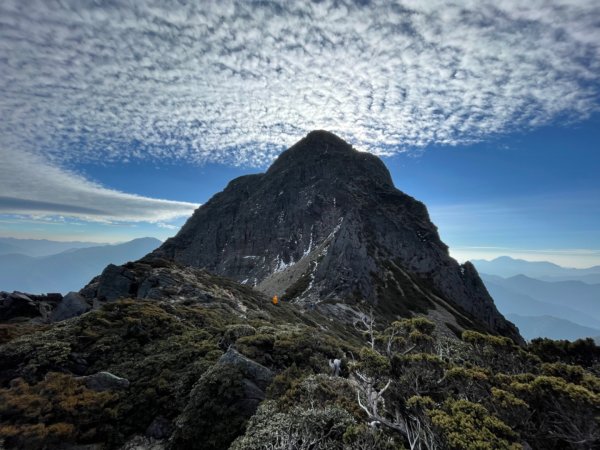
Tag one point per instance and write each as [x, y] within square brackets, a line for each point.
[33, 187]
[236, 81]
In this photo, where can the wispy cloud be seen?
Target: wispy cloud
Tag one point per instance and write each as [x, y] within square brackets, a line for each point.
[235, 81]
[167, 226]
[33, 187]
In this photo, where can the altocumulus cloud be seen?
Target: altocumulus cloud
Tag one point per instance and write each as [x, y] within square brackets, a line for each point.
[236, 81]
[31, 186]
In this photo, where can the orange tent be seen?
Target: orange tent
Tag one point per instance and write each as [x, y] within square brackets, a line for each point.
[275, 300]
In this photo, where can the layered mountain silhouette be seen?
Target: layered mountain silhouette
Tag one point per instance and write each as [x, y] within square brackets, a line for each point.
[555, 309]
[505, 266]
[65, 271]
[509, 300]
[532, 327]
[325, 227]
[39, 247]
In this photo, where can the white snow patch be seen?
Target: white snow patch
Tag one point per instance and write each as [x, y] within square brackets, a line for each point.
[281, 265]
[310, 244]
[312, 277]
[336, 229]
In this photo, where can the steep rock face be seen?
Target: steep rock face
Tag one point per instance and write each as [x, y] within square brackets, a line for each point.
[45, 308]
[326, 224]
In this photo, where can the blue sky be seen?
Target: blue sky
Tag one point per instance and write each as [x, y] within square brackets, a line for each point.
[118, 120]
[533, 195]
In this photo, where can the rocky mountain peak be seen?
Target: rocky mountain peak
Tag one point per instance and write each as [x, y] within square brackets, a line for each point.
[329, 157]
[326, 228]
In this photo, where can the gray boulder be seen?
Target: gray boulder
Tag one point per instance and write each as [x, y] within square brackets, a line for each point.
[221, 403]
[143, 443]
[160, 428]
[18, 305]
[72, 305]
[115, 282]
[105, 381]
[258, 375]
[33, 308]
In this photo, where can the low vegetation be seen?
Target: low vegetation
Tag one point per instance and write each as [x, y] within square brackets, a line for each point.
[401, 385]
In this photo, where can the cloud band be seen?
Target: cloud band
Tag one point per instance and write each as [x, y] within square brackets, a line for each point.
[235, 81]
[32, 186]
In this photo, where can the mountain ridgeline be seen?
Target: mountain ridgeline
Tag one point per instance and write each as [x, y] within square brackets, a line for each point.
[325, 226]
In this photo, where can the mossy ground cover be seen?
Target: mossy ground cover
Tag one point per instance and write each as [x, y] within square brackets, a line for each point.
[161, 348]
[479, 392]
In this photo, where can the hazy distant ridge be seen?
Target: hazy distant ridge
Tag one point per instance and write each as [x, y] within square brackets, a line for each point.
[68, 270]
[510, 301]
[544, 299]
[506, 266]
[40, 247]
[551, 327]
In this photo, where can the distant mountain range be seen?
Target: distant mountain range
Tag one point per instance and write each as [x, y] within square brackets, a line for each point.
[575, 295]
[39, 247]
[544, 299]
[551, 327]
[510, 302]
[67, 270]
[505, 266]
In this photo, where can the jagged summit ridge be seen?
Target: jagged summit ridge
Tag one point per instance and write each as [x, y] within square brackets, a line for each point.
[330, 156]
[326, 226]
[270, 221]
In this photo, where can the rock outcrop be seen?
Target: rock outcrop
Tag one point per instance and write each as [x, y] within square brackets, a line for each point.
[46, 308]
[71, 305]
[256, 378]
[159, 279]
[228, 394]
[326, 225]
[19, 306]
[105, 381]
